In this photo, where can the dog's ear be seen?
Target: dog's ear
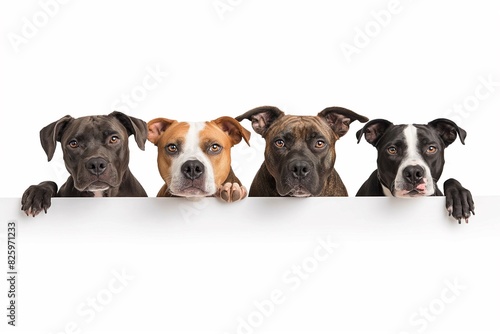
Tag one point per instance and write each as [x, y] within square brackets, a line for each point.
[261, 118]
[134, 126]
[233, 128]
[373, 130]
[156, 127]
[339, 119]
[448, 130]
[52, 133]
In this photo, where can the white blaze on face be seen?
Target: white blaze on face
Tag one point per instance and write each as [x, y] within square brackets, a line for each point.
[191, 150]
[412, 158]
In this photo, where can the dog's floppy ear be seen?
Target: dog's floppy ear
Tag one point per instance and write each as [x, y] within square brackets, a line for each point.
[52, 133]
[261, 118]
[134, 126]
[373, 130]
[156, 127]
[448, 130]
[339, 119]
[233, 128]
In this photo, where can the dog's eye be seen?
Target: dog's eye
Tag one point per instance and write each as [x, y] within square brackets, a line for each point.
[431, 149]
[320, 144]
[392, 150]
[215, 148]
[280, 143]
[73, 144]
[113, 140]
[171, 148]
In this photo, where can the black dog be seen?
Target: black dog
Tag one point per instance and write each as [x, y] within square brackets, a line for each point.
[411, 160]
[96, 154]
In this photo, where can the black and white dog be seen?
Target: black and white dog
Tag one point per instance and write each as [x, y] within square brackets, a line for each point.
[411, 160]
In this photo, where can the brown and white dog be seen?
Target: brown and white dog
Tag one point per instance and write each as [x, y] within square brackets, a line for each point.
[194, 158]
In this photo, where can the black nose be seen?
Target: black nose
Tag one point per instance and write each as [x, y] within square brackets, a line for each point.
[96, 166]
[299, 169]
[192, 169]
[413, 174]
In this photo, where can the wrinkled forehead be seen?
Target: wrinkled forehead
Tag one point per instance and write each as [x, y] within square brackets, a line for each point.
[212, 133]
[427, 134]
[94, 127]
[175, 132]
[395, 134]
[303, 127]
[404, 134]
[195, 133]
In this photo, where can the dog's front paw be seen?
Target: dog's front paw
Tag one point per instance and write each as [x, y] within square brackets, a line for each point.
[38, 198]
[459, 201]
[232, 192]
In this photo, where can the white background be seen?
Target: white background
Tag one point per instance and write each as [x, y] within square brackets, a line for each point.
[428, 58]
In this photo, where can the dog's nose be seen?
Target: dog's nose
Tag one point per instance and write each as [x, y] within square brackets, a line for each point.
[192, 169]
[299, 169]
[413, 174]
[96, 166]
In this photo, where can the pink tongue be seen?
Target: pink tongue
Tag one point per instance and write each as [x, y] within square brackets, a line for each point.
[421, 187]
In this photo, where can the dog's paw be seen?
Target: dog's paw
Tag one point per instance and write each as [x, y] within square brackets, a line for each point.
[37, 199]
[459, 201]
[232, 192]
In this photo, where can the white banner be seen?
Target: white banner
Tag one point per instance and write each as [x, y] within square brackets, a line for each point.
[263, 265]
